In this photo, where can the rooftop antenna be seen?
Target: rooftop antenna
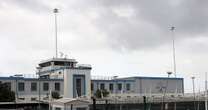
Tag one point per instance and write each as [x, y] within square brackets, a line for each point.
[55, 11]
[61, 54]
[173, 45]
[66, 56]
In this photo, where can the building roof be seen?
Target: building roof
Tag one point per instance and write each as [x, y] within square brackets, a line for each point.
[58, 59]
[23, 78]
[69, 101]
[114, 80]
[125, 79]
[144, 77]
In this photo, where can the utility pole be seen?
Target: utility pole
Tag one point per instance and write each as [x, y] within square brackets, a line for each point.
[55, 11]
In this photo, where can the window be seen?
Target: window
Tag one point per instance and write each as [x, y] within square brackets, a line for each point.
[21, 98]
[119, 86]
[128, 87]
[57, 108]
[102, 86]
[79, 86]
[45, 86]
[81, 108]
[33, 86]
[92, 86]
[33, 99]
[111, 87]
[21, 86]
[57, 86]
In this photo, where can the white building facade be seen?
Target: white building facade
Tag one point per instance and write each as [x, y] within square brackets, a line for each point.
[30, 89]
[76, 77]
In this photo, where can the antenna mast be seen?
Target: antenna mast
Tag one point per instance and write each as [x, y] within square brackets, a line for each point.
[55, 11]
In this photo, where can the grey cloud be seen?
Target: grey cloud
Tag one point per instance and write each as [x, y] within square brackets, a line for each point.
[31, 5]
[149, 27]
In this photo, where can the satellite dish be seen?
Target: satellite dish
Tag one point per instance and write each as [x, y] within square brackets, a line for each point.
[66, 56]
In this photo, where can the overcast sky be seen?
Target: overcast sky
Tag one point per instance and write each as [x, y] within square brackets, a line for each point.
[117, 37]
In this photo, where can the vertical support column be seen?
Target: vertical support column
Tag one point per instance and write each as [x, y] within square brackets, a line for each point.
[94, 104]
[71, 106]
[145, 103]
[106, 104]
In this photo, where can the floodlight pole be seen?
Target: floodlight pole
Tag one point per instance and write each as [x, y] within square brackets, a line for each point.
[39, 97]
[206, 91]
[173, 46]
[55, 11]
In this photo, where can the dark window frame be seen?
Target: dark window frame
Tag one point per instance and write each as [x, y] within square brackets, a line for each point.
[119, 86]
[128, 86]
[57, 86]
[33, 87]
[92, 86]
[102, 86]
[21, 86]
[45, 86]
[111, 86]
[57, 108]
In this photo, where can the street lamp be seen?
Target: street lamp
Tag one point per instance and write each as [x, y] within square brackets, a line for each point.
[206, 91]
[39, 70]
[16, 91]
[169, 73]
[55, 11]
[193, 90]
[116, 87]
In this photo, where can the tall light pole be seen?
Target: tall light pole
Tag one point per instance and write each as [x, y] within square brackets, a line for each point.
[55, 11]
[169, 73]
[193, 90]
[116, 87]
[39, 69]
[206, 91]
[16, 92]
[173, 46]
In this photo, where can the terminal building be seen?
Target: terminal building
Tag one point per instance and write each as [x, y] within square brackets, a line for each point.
[73, 80]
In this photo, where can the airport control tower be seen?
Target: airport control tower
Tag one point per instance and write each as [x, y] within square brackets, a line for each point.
[76, 76]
